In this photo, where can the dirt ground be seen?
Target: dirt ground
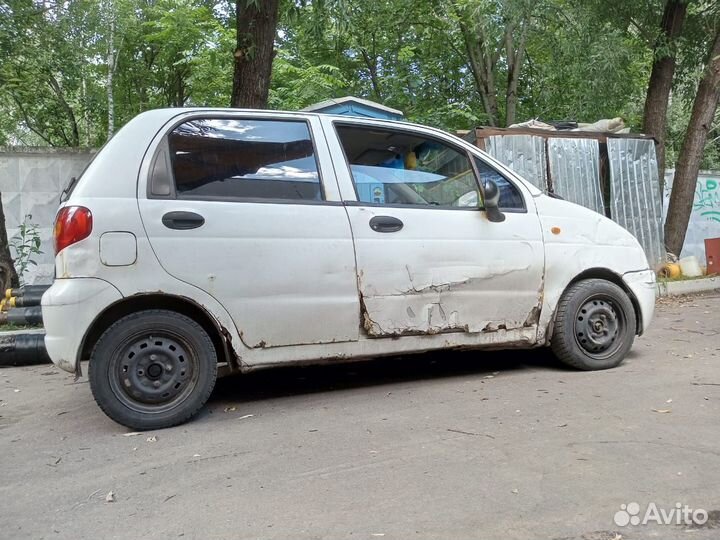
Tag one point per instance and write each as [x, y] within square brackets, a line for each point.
[438, 446]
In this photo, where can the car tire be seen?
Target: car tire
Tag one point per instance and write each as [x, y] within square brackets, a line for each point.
[594, 325]
[153, 369]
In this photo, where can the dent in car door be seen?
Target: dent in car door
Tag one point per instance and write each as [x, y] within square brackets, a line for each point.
[435, 266]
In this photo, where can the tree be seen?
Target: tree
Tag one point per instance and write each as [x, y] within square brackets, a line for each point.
[585, 61]
[691, 152]
[661, 78]
[254, 53]
[8, 275]
[489, 50]
[109, 10]
[43, 67]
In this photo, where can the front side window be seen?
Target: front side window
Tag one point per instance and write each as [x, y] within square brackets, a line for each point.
[510, 198]
[256, 159]
[400, 167]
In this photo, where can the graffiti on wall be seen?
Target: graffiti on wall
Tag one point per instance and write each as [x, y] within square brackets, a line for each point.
[707, 198]
[705, 217]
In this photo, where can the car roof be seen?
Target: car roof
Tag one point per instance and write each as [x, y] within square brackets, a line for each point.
[171, 112]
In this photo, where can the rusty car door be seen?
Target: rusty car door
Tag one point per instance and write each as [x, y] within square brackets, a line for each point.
[427, 262]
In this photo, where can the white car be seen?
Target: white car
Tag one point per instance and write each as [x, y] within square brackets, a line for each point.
[201, 242]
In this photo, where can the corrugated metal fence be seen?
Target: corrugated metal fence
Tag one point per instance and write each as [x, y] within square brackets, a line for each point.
[524, 154]
[575, 171]
[572, 167]
[635, 201]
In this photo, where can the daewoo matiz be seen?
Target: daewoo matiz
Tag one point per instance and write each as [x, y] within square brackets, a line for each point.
[201, 242]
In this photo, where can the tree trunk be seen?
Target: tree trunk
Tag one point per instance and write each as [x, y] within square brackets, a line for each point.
[691, 152]
[74, 138]
[256, 27]
[371, 64]
[482, 67]
[8, 275]
[111, 71]
[515, 58]
[661, 77]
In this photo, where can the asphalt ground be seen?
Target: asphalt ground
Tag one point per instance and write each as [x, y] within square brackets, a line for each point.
[449, 445]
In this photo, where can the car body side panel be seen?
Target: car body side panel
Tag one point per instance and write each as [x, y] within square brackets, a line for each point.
[85, 298]
[447, 271]
[144, 275]
[284, 271]
[643, 285]
[367, 348]
[576, 240]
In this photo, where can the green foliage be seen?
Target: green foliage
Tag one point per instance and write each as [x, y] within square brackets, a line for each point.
[53, 77]
[46, 57]
[582, 68]
[297, 86]
[25, 244]
[581, 60]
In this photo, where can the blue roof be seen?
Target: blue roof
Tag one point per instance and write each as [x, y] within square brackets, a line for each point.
[352, 106]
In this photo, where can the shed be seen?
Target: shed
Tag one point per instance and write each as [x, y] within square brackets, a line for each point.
[354, 106]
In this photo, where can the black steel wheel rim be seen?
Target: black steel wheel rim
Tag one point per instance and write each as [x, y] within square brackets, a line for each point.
[153, 373]
[599, 326]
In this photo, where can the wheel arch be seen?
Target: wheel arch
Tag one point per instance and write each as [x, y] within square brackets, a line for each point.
[612, 277]
[179, 304]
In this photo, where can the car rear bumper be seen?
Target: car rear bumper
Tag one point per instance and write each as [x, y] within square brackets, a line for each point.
[69, 307]
[643, 285]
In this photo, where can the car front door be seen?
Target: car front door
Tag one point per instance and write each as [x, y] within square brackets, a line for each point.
[246, 208]
[428, 259]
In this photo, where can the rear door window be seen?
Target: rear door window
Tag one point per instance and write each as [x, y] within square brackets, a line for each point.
[244, 159]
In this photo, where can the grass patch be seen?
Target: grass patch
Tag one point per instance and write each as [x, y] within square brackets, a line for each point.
[7, 327]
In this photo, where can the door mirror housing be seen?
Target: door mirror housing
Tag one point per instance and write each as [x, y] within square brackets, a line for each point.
[492, 202]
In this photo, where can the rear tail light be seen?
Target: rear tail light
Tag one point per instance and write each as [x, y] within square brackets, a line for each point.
[72, 224]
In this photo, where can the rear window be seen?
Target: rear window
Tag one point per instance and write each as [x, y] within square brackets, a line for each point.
[244, 159]
[75, 180]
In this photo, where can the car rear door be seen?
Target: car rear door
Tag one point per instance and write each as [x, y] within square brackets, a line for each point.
[428, 259]
[246, 207]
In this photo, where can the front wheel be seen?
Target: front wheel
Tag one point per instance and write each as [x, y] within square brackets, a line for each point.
[594, 325]
[153, 369]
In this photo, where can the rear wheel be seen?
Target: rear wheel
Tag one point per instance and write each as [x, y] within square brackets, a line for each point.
[153, 369]
[594, 325]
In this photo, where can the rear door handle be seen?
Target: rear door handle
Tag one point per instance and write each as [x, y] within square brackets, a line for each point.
[385, 224]
[183, 220]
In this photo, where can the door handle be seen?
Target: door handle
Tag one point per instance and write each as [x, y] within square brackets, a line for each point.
[385, 224]
[183, 220]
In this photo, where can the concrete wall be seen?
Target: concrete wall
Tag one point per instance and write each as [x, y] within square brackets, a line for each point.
[705, 217]
[31, 180]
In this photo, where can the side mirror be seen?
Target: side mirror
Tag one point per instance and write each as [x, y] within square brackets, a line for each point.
[492, 201]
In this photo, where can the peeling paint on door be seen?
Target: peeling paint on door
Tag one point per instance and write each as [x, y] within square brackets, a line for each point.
[445, 299]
